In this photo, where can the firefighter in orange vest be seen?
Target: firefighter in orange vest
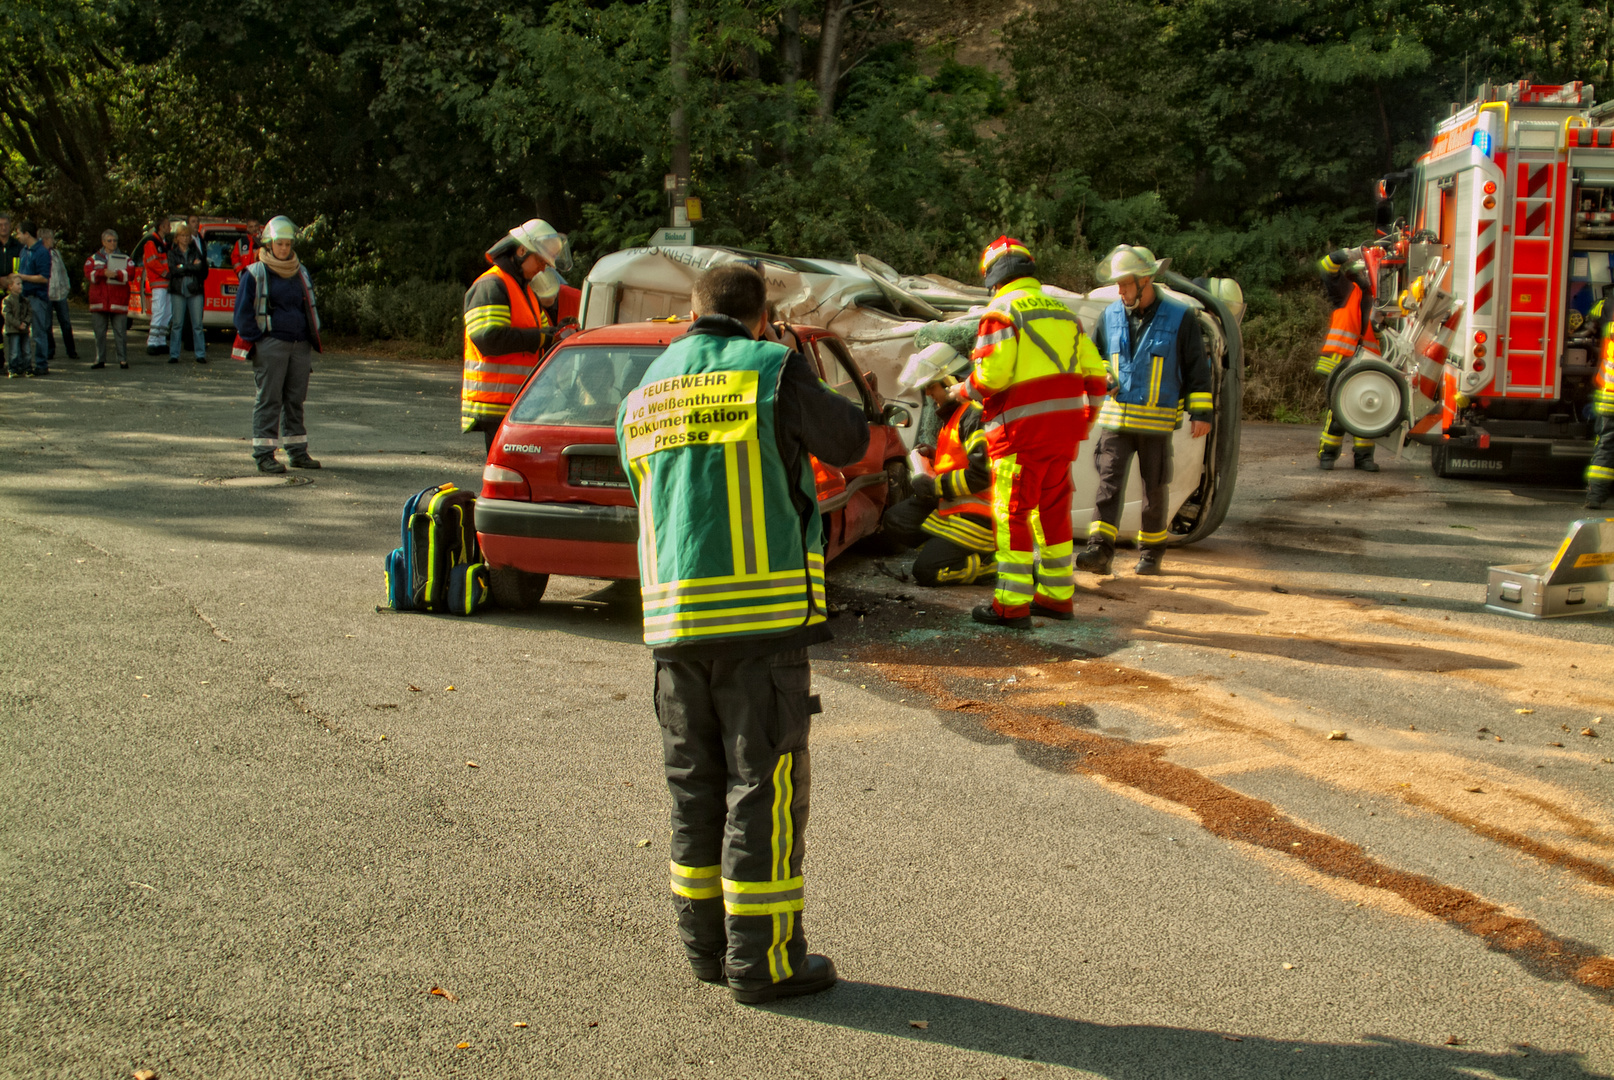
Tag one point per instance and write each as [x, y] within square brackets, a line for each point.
[511, 314]
[1040, 381]
[949, 518]
[1350, 330]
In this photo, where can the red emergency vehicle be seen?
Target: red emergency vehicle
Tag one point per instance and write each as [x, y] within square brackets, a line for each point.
[220, 236]
[1487, 286]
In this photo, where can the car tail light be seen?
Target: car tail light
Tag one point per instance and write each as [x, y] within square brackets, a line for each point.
[499, 482]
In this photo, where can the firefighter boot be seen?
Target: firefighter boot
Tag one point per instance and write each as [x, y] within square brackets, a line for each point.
[1325, 462]
[1096, 557]
[1149, 562]
[815, 976]
[268, 464]
[986, 613]
[1365, 462]
[1596, 495]
[301, 460]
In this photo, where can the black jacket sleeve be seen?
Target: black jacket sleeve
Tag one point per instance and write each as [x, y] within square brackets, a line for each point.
[833, 429]
[1193, 365]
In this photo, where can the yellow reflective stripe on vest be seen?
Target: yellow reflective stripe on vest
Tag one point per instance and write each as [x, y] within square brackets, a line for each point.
[746, 527]
[706, 590]
[696, 882]
[1150, 419]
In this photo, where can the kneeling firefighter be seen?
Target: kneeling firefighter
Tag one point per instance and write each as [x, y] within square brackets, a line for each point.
[511, 315]
[1350, 329]
[1039, 380]
[949, 518]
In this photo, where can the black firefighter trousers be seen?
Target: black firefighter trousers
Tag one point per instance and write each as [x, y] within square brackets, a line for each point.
[734, 739]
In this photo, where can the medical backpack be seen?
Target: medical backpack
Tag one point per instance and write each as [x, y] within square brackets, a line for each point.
[438, 567]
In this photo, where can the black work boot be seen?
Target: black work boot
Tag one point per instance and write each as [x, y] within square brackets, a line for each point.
[301, 460]
[1596, 495]
[1325, 462]
[986, 613]
[1052, 613]
[816, 975]
[1096, 557]
[1149, 561]
[1365, 462]
[267, 463]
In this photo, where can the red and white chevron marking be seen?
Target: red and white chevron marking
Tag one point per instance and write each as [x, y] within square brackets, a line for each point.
[1485, 267]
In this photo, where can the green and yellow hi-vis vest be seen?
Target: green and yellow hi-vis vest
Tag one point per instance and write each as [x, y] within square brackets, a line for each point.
[723, 552]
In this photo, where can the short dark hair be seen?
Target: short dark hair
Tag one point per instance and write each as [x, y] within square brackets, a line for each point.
[28, 227]
[735, 290]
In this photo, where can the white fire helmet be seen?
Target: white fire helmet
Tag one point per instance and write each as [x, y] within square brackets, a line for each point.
[539, 237]
[280, 227]
[934, 363]
[1127, 261]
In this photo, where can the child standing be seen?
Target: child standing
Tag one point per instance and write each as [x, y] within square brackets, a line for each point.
[18, 316]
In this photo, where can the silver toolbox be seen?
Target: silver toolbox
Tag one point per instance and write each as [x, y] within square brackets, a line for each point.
[1574, 582]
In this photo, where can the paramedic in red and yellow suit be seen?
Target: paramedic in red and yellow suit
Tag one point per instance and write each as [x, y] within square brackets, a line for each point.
[1350, 329]
[1040, 381]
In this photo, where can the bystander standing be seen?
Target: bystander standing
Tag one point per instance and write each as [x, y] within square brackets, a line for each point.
[17, 317]
[59, 289]
[33, 267]
[107, 273]
[187, 287]
[10, 249]
[151, 255]
[277, 328]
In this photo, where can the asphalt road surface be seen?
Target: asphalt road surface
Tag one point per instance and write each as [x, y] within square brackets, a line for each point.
[250, 822]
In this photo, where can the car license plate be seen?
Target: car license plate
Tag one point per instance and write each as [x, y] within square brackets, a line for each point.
[229, 290]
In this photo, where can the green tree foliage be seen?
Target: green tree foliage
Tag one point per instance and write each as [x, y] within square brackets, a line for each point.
[1237, 136]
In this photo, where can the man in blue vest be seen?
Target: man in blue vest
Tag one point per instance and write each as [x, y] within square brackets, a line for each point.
[716, 443]
[1157, 361]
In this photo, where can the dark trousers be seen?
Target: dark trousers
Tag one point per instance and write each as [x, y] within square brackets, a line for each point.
[103, 321]
[281, 370]
[1332, 439]
[1600, 470]
[1116, 449]
[962, 557]
[63, 317]
[44, 344]
[734, 740]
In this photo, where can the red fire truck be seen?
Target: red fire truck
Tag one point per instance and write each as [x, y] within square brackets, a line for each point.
[219, 239]
[1486, 286]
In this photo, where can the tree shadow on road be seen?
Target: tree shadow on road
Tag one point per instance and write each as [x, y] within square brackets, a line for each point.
[1152, 1050]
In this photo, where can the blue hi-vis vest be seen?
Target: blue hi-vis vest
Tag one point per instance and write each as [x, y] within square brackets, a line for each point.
[1148, 385]
[723, 551]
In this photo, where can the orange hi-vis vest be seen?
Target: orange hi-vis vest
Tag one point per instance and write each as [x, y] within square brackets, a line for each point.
[952, 456]
[491, 383]
[1348, 330]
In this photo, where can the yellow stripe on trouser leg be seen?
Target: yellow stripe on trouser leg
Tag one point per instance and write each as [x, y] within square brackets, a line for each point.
[1148, 538]
[1102, 530]
[1362, 444]
[697, 882]
[1016, 569]
[1056, 578]
[1595, 473]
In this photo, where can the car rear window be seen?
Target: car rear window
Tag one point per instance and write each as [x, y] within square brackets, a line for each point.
[219, 248]
[581, 386]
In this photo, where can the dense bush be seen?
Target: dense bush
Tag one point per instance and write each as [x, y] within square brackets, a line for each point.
[424, 312]
[1282, 336]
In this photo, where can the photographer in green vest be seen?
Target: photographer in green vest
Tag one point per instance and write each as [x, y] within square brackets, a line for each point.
[716, 443]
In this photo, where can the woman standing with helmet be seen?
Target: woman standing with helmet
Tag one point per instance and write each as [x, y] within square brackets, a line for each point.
[511, 313]
[277, 327]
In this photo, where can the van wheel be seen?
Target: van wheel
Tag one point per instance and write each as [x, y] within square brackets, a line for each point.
[516, 590]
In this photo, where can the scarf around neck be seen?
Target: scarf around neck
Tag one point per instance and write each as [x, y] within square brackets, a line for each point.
[283, 267]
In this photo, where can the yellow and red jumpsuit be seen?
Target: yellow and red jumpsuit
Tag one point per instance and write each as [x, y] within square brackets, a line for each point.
[1041, 382]
[1350, 329]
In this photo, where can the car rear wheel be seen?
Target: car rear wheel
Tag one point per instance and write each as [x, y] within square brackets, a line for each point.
[515, 589]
